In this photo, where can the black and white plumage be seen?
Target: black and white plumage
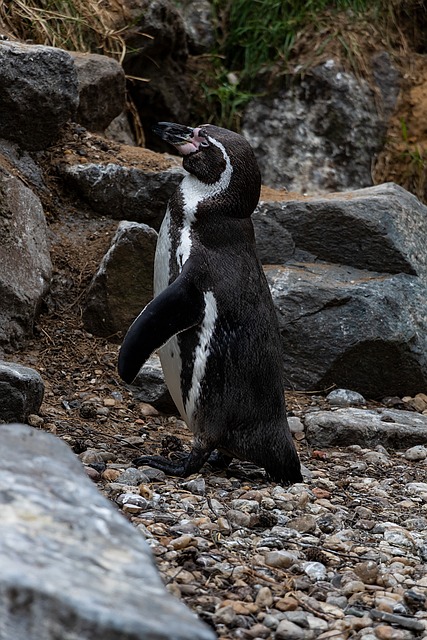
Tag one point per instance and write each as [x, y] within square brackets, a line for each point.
[212, 318]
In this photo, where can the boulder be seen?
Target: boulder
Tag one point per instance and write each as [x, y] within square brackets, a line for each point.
[38, 93]
[72, 565]
[319, 132]
[381, 228]
[363, 330]
[125, 193]
[102, 87]
[21, 392]
[367, 428]
[25, 266]
[123, 284]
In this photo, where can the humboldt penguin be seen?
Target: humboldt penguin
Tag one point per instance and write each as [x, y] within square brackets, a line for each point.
[212, 318]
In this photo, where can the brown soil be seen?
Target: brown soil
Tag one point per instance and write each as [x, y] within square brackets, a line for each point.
[404, 157]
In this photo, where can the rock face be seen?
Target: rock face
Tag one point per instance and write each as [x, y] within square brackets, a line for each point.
[25, 266]
[157, 51]
[351, 295]
[360, 329]
[72, 566]
[380, 228]
[21, 392]
[98, 77]
[38, 93]
[319, 133]
[123, 284]
[125, 193]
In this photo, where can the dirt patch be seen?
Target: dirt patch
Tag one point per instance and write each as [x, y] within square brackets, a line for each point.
[404, 157]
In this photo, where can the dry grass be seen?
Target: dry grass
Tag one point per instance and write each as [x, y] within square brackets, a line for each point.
[76, 25]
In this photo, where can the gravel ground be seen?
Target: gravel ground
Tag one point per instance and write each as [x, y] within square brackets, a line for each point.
[341, 556]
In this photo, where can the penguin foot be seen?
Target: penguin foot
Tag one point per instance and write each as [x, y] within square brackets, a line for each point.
[185, 466]
[219, 460]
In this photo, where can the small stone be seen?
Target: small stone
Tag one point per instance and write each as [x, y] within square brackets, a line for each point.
[288, 630]
[264, 597]
[280, 559]
[345, 398]
[303, 524]
[92, 473]
[238, 518]
[367, 571]
[259, 631]
[110, 475]
[287, 603]
[109, 402]
[34, 420]
[182, 542]
[91, 456]
[196, 486]
[385, 632]
[225, 615]
[147, 410]
[353, 586]
[295, 424]
[418, 452]
[315, 570]
[132, 502]
[132, 476]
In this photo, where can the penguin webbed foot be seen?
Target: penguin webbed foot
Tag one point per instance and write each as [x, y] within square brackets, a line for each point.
[185, 466]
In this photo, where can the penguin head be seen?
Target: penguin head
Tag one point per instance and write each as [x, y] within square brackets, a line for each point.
[218, 158]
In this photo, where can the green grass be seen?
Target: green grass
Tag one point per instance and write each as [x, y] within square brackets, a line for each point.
[260, 32]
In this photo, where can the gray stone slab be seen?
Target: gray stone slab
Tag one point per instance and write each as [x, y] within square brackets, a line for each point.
[71, 566]
[367, 428]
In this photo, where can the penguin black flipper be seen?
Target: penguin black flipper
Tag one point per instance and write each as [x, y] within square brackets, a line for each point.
[179, 307]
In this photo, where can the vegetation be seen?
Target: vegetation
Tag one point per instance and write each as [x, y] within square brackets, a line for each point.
[76, 25]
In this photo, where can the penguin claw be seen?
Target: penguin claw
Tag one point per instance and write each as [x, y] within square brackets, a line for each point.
[181, 468]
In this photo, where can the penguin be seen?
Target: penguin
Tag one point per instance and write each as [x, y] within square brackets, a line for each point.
[212, 318]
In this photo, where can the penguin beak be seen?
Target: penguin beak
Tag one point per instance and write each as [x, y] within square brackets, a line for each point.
[185, 139]
[176, 134]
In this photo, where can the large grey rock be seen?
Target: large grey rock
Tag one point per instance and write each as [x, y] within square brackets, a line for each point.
[123, 284]
[71, 566]
[125, 193]
[367, 428]
[381, 228]
[21, 392]
[317, 134]
[362, 330]
[102, 87]
[38, 93]
[25, 266]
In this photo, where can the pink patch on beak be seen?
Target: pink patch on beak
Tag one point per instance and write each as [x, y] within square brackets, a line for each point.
[192, 144]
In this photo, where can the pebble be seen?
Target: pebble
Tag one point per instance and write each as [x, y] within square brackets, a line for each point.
[333, 557]
[288, 630]
[280, 559]
[418, 452]
[264, 598]
[345, 398]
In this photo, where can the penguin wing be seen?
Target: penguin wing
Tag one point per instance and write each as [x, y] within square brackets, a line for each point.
[179, 307]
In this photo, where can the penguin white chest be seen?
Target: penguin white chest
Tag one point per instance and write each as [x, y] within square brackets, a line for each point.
[174, 247]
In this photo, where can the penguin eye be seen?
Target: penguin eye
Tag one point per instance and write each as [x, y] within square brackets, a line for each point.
[204, 143]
